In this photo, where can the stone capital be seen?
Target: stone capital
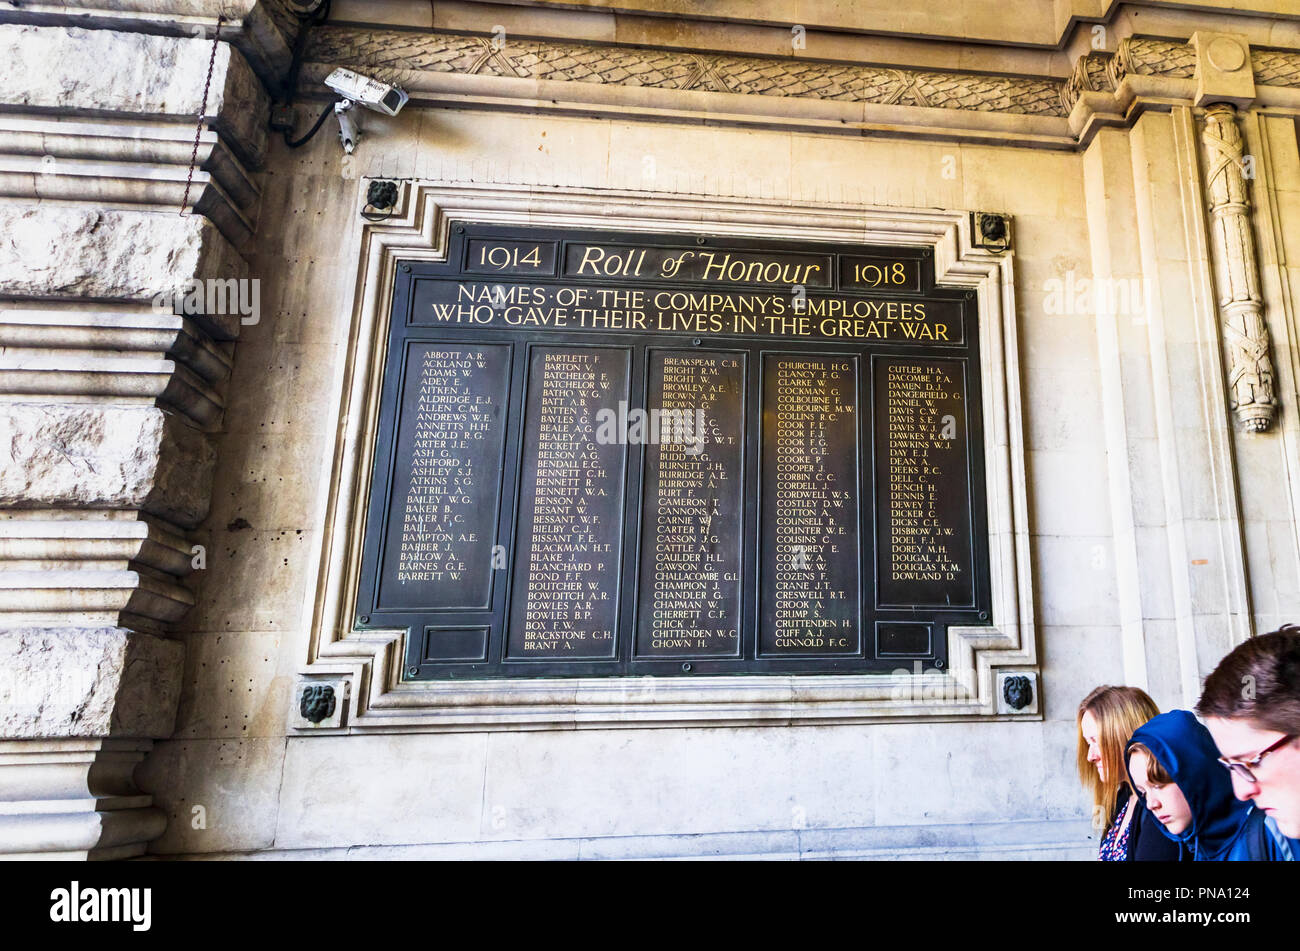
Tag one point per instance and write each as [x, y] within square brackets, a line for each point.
[1223, 69]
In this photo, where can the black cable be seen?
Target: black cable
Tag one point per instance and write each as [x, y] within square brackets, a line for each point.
[306, 20]
[329, 107]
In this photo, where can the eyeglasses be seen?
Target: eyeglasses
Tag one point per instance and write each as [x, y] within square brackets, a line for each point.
[1243, 769]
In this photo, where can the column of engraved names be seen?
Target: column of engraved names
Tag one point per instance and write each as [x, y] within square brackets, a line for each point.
[447, 460]
[809, 515]
[924, 511]
[691, 517]
[568, 547]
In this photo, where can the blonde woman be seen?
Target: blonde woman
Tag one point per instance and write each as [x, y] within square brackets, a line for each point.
[1107, 718]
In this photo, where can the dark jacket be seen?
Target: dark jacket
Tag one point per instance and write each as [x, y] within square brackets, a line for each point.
[1146, 839]
[1223, 828]
[1289, 847]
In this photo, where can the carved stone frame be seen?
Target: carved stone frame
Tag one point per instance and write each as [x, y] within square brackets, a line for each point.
[372, 660]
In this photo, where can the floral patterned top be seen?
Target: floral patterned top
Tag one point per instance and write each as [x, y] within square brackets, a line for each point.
[1114, 844]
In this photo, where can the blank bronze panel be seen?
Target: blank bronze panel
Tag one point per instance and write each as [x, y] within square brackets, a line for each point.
[449, 643]
[904, 639]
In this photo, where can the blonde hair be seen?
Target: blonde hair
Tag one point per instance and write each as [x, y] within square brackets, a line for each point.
[1119, 711]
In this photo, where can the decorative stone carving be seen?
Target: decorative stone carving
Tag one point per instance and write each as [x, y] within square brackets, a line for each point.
[381, 200]
[320, 704]
[1275, 67]
[990, 231]
[1236, 272]
[1092, 73]
[380, 51]
[1152, 58]
[381, 194]
[317, 702]
[1018, 692]
[1223, 71]
[427, 63]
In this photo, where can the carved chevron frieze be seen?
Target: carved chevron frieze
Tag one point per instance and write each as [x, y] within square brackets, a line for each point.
[1276, 67]
[671, 69]
[1161, 58]
[389, 53]
[1153, 58]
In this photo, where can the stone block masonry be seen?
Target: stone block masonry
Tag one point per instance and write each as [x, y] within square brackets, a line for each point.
[111, 404]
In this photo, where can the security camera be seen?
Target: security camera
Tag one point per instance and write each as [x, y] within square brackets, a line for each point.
[358, 89]
[370, 93]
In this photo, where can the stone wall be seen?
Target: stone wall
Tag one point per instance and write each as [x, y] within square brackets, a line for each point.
[1000, 789]
[111, 403]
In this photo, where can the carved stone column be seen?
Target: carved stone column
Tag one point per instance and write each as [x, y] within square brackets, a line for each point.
[110, 402]
[1236, 272]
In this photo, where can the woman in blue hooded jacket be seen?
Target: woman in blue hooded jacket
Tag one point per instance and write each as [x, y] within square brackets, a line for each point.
[1173, 761]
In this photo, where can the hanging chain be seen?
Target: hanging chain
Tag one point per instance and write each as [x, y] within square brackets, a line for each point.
[198, 129]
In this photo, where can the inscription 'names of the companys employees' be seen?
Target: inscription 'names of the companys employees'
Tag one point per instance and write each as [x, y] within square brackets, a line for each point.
[799, 312]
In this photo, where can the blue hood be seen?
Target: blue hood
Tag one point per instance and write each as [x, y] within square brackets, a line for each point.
[1187, 752]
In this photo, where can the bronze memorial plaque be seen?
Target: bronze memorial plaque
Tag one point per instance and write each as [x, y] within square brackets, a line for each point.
[606, 454]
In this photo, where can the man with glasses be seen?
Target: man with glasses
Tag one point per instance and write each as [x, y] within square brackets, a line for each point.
[1251, 705]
